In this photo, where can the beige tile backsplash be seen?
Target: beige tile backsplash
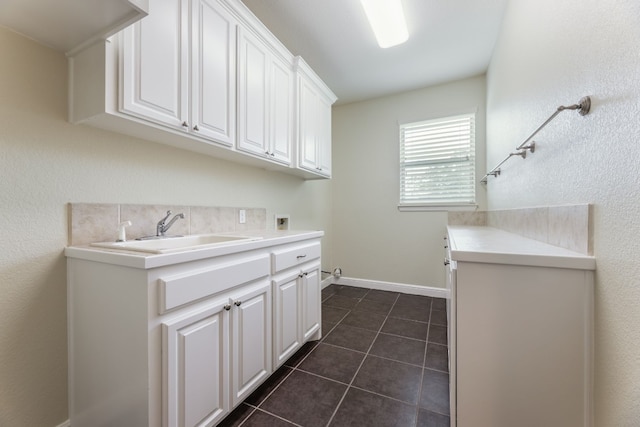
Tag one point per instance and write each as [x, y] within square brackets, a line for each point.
[477, 218]
[569, 227]
[92, 222]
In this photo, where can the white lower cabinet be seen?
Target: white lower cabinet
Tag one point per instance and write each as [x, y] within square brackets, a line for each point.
[226, 345]
[251, 340]
[287, 322]
[520, 329]
[296, 310]
[196, 365]
[297, 290]
[311, 291]
[181, 344]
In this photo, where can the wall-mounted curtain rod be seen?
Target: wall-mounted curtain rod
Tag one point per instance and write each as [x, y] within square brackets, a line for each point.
[583, 108]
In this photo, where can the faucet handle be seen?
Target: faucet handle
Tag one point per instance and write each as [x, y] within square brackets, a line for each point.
[165, 218]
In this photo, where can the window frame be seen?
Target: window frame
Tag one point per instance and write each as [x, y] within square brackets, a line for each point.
[435, 205]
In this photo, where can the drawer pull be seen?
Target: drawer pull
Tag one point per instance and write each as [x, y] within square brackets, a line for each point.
[238, 303]
[301, 256]
[227, 307]
[446, 262]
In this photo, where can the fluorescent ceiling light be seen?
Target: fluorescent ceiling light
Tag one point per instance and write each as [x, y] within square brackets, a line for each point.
[387, 20]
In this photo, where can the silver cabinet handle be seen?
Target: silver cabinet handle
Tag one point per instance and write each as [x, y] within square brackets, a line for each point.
[227, 307]
[446, 262]
[196, 128]
[238, 303]
[185, 124]
[301, 256]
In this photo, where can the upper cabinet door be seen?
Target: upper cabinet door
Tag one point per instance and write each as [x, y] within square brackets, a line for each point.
[213, 72]
[253, 74]
[281, 110]
[307, 141]
[324, 136]
[314, 121]
[154, 82]
[265, 99]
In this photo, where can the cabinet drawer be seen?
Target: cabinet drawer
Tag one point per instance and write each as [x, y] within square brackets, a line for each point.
[294, 255]
[180, 289]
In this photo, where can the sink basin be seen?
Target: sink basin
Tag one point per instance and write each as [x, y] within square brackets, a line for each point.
[175, 244]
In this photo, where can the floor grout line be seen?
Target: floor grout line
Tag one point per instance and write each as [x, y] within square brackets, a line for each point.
[335, 411]
[365, 354]
[424, 363]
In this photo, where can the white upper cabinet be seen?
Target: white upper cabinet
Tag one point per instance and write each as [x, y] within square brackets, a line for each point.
[265, 99]
[155, 65]
[178, 68]
[207, 76]
[314, 102]
[213, 72]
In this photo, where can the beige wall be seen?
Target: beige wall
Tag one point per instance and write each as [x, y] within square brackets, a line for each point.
[552, 53]
[372, 239]
[45, 163]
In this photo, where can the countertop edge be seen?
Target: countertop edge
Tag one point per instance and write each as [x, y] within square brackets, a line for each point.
[483, 245]
[147, 261]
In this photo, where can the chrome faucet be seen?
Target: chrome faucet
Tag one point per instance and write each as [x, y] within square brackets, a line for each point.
[162, 227]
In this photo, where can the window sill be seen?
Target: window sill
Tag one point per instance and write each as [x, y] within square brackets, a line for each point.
[437, 208]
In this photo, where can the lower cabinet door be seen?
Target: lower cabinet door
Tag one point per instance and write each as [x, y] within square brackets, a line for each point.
[311, 302]
[287, 317]
[195, 365]
[251, 337]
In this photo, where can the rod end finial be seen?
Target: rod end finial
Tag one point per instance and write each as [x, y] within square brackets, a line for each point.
[585, 105]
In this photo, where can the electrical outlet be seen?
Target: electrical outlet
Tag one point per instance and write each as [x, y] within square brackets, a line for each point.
[243, 216]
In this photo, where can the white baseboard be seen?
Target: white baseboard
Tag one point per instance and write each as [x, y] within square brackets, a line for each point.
[326, 282]
[404, 288]
[65, 424]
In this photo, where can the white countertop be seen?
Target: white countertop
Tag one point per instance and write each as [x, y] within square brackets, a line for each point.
[148, 260]
[491, 245]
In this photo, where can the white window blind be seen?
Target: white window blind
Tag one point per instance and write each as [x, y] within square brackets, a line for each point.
[437, 162]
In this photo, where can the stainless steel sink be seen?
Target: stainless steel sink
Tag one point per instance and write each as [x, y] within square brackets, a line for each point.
[175, 244]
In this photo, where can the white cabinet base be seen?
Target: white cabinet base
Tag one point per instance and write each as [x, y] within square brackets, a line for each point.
[196, 362]
[523, 340]
[183, 342]
[521, 332]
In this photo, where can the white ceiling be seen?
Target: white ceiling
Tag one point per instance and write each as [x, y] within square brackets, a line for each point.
[448, 40]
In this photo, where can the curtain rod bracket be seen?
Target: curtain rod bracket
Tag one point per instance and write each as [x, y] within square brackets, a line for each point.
[531, 147]
[583, 107]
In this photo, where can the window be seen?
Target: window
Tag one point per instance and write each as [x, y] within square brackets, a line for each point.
[437, 163]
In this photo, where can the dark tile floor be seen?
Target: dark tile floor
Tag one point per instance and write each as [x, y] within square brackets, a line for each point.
[382, 361]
